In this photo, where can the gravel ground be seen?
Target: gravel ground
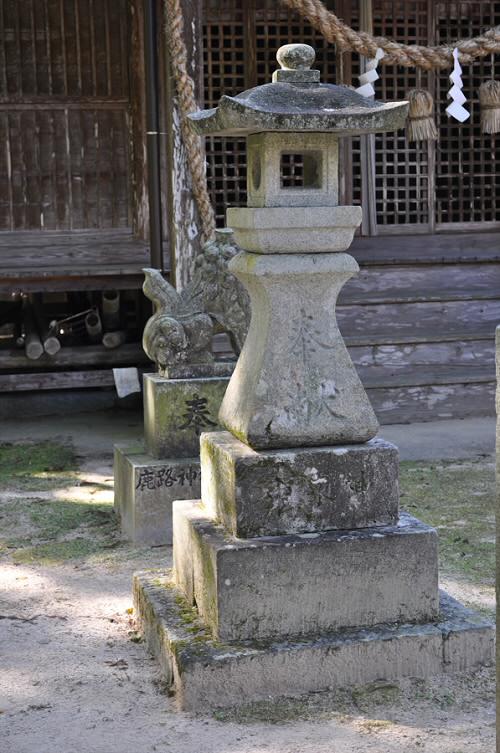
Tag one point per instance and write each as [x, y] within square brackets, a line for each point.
[75, 677]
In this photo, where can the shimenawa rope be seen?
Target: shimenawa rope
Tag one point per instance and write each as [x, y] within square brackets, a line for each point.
[395, 53]
[187, 103]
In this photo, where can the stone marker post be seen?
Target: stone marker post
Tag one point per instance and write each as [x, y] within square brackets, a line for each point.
[303, 572]
[182, 399]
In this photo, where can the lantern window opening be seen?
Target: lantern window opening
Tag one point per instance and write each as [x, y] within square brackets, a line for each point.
[301, 169]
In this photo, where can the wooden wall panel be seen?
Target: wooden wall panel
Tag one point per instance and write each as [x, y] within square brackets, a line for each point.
[64, 101]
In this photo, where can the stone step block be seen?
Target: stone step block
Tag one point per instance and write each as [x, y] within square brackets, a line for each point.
[304, 584]
[206, 675]
[177, 411]
[273, 492]
[145, 489]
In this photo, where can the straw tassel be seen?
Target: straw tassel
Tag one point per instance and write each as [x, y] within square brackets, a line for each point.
[489, 99]
[420, 125]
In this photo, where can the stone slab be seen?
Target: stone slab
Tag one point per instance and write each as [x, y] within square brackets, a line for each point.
[206, 675]
[145, 489]
[191, 371]
[303, 584]
[294, 229]
[177, 411]
[272, 492]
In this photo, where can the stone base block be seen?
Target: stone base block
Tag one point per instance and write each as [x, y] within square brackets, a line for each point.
[304, 584]
[274, 492]
[145, 489]
[207, 675]
[176, 411]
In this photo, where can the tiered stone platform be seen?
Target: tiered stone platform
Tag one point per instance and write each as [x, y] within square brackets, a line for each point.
[313, 606]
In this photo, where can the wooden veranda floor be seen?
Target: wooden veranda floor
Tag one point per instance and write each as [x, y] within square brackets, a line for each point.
[49, 261]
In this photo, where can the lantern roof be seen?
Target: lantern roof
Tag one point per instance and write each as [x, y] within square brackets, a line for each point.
[297, 101]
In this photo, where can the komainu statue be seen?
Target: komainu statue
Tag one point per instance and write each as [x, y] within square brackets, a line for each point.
[180, 331]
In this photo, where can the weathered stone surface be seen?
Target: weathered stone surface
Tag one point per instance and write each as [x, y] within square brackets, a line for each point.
[285, 106]
[177, 333]
[273, 492]
[294, 384]
[319, 163]
[177, 411]
[296, 57]
[297, 230]
[304, 584]
[145, 489]
[206, 675]
[178, 337]
[193, 371]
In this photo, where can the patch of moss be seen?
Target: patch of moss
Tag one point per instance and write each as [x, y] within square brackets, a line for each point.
[56, 552]
[287, 710]
[37, 466]
[51, 530]
[54, 518]
[375, 694]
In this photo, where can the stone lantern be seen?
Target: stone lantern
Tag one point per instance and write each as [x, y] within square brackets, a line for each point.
[295, 384]
[296, 569]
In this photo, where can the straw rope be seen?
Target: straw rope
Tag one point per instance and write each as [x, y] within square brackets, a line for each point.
[411, 56]
[174, 30]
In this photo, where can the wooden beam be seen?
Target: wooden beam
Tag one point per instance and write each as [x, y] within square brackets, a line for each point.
[58, 380]
[129, 354]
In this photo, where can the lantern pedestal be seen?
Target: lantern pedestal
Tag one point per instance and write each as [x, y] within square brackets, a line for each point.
[294, 384]
[269, 591]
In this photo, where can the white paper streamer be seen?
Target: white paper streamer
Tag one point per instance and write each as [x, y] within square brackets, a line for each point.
[368, 78]
[456, 109]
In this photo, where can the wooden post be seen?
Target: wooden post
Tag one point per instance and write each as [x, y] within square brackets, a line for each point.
[140, 208]
[369, 224]
[32, 343]
[50, 342]
[344, 76]
[110, 302]
[152, 135]
[93, 326]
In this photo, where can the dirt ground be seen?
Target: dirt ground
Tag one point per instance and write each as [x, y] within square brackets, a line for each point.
[75, 676]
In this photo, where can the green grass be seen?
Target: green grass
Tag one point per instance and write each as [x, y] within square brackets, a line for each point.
[36, 466]
[458, 498]
[56, 552]
[49, 530]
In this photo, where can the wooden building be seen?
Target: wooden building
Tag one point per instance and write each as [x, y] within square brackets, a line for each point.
[420, 318]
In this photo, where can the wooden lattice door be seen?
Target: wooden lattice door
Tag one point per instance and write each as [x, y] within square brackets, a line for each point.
[467, 172]
[64, 97]
[414, 187]
[450, 184]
